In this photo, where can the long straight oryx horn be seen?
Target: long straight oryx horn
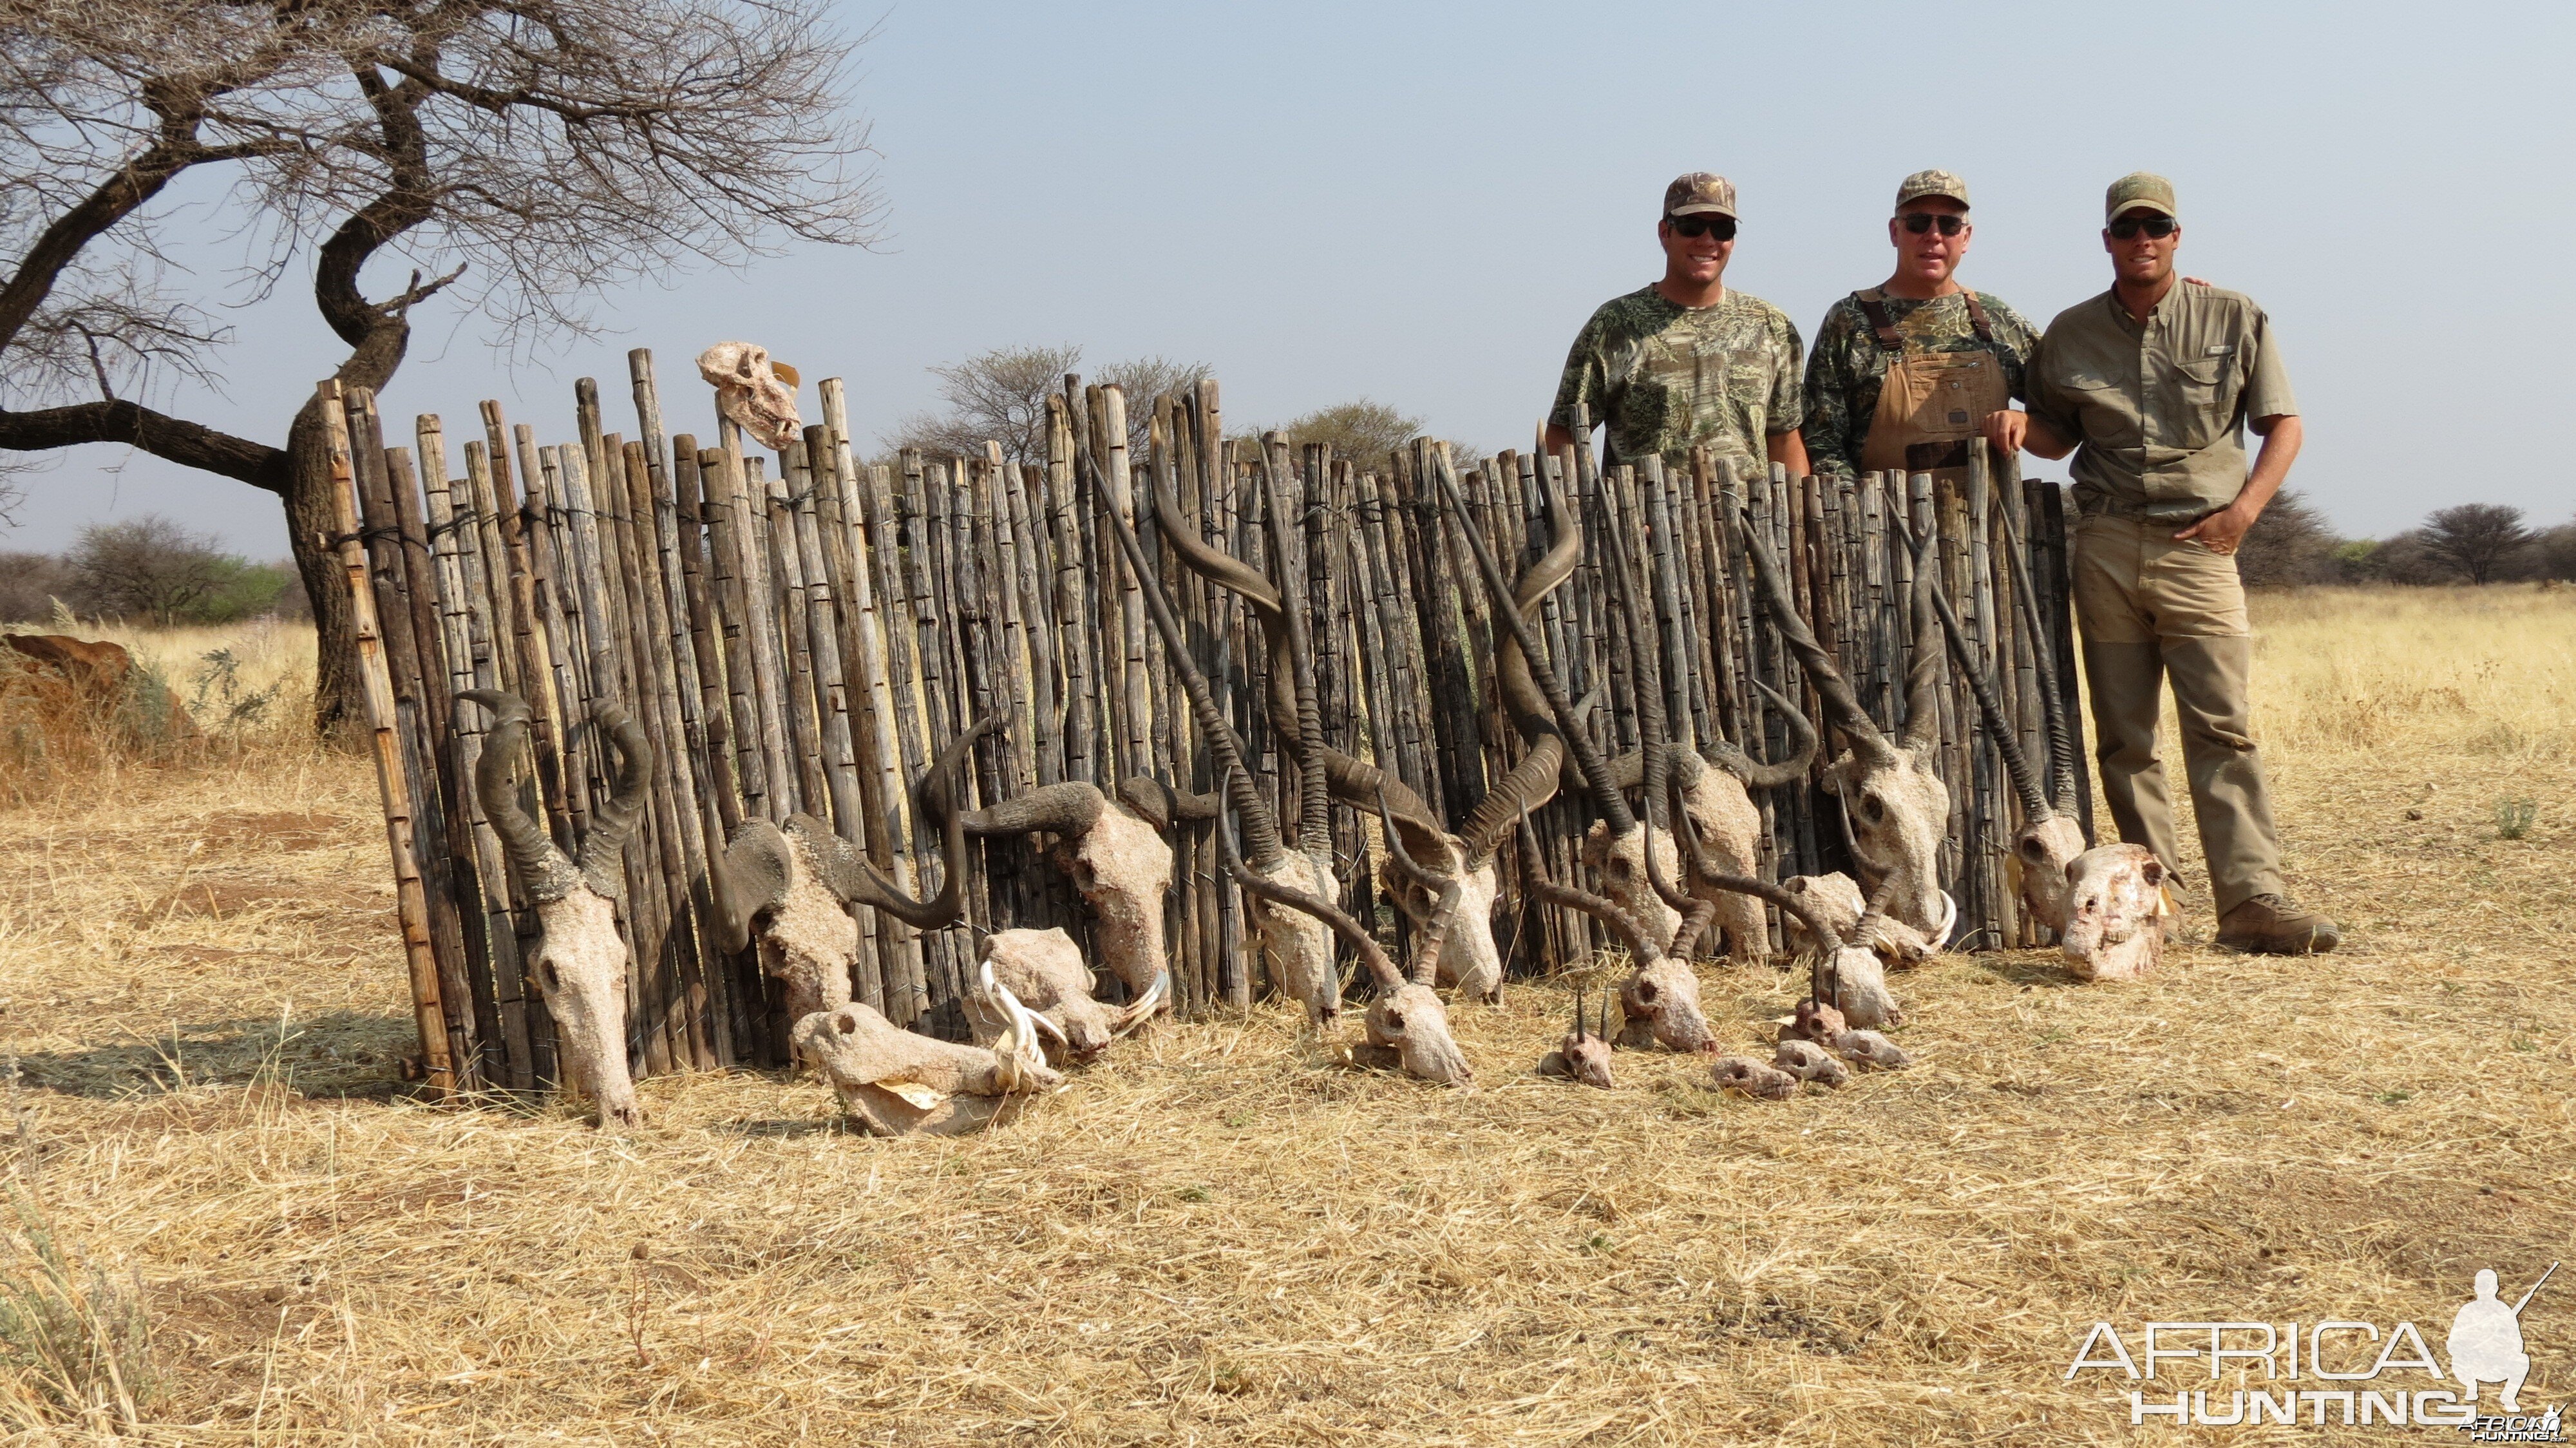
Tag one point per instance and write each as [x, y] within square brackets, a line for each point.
[542, 869]
[1842, 707]
[1596, 770]
[849, 874]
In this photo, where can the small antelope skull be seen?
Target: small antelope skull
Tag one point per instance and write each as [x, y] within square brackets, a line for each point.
[752, 390]
[2115, 913]
[580, 966]
[1758, 1079]
[1584, 1055]
[1044, 971]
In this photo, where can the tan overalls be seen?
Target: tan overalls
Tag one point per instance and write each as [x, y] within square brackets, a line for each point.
[1929, 403]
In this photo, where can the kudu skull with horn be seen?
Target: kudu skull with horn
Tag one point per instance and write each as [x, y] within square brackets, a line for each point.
[1890, 793]
[1470, 960]
[580, 965]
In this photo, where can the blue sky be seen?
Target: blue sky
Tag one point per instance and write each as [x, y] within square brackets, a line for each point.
[1422, 203]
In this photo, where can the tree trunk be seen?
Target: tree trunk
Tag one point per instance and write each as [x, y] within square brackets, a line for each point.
[338, 713]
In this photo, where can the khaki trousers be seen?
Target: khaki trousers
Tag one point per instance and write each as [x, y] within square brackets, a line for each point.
[2151, 609]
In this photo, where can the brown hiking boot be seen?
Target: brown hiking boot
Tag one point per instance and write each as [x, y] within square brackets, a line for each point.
[2271, 925]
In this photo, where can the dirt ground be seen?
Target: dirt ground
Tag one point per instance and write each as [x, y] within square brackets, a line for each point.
[1221, 1234]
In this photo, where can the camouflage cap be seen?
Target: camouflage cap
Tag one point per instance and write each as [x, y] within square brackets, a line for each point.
[1699, 193]
[1931, 183]
[2138, 190]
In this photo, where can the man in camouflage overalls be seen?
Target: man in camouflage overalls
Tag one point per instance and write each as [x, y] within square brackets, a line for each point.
[1904, 373]
[2152, 385]
[1685, 362]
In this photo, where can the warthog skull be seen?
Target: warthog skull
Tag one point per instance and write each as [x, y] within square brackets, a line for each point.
[895, 1083]
[580, 966]
[1044, 970]
[752, 390]
[2115, 913]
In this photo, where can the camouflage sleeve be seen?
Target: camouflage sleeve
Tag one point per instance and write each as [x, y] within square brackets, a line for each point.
[1586, 378]
[1788, 405]
[1833, 449]
[2016, 339]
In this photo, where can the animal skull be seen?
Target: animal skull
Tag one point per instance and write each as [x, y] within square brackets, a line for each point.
[1620, 861]
[1297, 947]
[1835, 897]
[1044, 970]
[580, 966]
[1860, 988]
[1758, 1079]
[2115, 908]
[895, 1083]
[1583, 1056]
[1659, 1002]
[1408, 1027]
[752, 390]
[1871, 1051]
[1117, 859]
[1810, 1062]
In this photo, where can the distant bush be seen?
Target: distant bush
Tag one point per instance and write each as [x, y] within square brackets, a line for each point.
[2290, 545]
[149, 570]
[29, 584]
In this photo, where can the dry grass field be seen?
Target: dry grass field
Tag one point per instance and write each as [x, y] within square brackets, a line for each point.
[1220, 1235]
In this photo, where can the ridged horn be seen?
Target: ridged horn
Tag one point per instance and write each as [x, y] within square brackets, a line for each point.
[1532, 782]
[2000, 729]
[1923, 674]
[1818, 927]
[612, 822]
[1163, 806]
[1447, 891]
[1753, 772]
[543, 870]
[849, 874]
[1068, 809]
[1288, 897]
[1599, 907]
[1645, 665]
[2043, 657]
[1842, 707]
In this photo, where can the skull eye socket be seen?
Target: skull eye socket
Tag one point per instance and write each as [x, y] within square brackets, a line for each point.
[1646, 992]
[1872, 808]
[849, 1024]
[1393, 1021]
[548, 980]
[2032, 850]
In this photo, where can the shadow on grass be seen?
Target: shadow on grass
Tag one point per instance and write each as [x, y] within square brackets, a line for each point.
[343, 1054]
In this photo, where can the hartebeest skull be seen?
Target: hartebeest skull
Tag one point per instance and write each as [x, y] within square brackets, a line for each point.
[580, 965]
[1890, 794]
[2115, 908]
[1044, 971]
[757, 393]
[895, 1083]
[1118, 861]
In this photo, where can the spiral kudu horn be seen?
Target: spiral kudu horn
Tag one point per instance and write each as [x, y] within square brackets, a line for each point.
[542, 869]
[848, 873]
[1532, 782]
[1345, 778]
[1842, 707]
[612, 822]
[1596, 770]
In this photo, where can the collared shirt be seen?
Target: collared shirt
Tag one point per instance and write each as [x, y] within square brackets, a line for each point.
[1848, 367]
[1665, 378]
[2158, 411]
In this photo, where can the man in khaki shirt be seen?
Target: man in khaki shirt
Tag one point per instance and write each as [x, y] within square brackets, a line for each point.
[2151, 385]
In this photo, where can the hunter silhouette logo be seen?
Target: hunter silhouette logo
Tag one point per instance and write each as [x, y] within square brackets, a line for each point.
[2363, 1376]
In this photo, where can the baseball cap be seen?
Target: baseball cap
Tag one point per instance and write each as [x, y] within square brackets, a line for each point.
[2138, 189]
[1699, 193]
[1931, 183]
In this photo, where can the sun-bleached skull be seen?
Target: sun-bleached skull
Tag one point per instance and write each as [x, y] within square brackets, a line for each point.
[1620, 862]
[1295, 946]
[1408, 1028]
[751, 391]
[2115, 907]
[1470, 962]
[581, 971]
[1044, 970]
[1122, 867]
[1899, 945]
[1859, 988]
[1815, 1021]
[1583, 1056]
[2043, 848]
[895, 1083]
[1810, 1062]
[1758, 1079]
[1871, 1051]
[1659, 1004]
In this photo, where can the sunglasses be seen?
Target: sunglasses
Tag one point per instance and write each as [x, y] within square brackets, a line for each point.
[1920, 222]
[1721, 227]
[2128, 227]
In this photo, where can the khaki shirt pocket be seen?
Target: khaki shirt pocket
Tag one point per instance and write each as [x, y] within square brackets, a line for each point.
[2102, 406]
[2203, 402]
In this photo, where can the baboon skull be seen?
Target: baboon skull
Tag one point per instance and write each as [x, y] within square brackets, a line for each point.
[751, 391]
[1044, 970]
[2115, 904]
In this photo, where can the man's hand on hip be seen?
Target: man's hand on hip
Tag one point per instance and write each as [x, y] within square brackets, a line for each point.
[2006, 429]
[2221, 531]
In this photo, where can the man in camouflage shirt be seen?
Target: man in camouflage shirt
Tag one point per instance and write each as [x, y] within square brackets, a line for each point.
[1687, 363]
[1901, 328]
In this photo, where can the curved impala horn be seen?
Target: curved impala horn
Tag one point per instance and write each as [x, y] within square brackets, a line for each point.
[2000, 728]
[1923, 675]
[1753, 772]
[1533, 782]
[1447, 890]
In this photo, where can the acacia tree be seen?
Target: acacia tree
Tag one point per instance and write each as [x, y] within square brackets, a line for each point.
[1001, 396]
[2476, 538]
[516, 156]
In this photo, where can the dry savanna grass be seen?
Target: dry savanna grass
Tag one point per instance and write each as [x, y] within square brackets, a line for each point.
[1221, 1235]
